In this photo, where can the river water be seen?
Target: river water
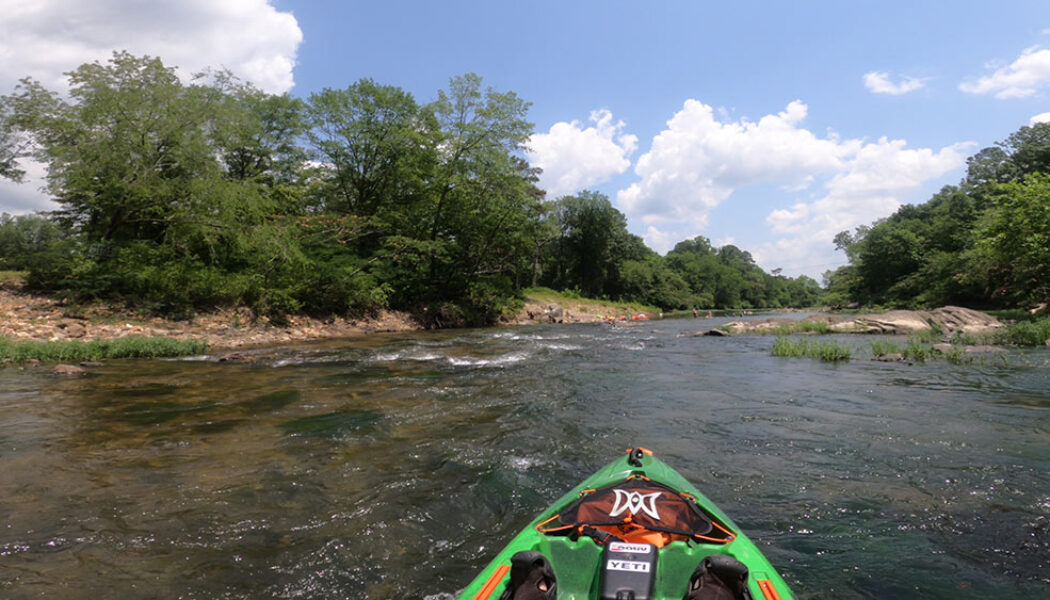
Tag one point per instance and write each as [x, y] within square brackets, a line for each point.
[395, 466]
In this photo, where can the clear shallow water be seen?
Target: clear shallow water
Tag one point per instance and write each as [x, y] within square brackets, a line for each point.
[395, 467]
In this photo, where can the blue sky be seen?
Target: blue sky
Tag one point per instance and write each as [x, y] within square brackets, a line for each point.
[768, 125]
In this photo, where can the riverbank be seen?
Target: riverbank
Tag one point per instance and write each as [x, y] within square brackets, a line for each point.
[28, 317]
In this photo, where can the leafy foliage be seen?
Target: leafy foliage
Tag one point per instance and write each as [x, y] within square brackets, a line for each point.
[985, 242]
[178, 196]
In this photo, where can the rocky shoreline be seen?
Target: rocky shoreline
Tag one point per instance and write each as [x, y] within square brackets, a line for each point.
[32, 317]
[26, 316]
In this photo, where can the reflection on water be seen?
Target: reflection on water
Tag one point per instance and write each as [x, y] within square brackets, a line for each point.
[398, 465]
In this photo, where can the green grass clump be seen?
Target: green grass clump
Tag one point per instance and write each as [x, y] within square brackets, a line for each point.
[960, 338]
[927, 336]
[917, 351]
[958, 356]
[882, 348]
[825, 351]
[74, 350]
[1025, 333]
[803, 326]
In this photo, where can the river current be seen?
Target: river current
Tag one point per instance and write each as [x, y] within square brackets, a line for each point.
[396, 466]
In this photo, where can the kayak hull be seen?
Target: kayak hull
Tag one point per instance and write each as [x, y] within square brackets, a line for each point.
[577, 561]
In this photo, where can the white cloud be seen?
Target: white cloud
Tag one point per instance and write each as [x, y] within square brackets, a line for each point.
[662, 241]
[879, 83]
[1020, 79]
[699, 162]
[573, 157]
[880, 177]
[26, 197]
[1040, 118]
[43, 39]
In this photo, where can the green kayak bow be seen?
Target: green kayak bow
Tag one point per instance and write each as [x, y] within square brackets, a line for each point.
[635, 530]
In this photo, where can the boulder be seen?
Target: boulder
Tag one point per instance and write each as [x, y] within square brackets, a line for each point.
[73, 330]
[894, 321]
[69, 370]
[555, 313]
[714, 333]
[955, 318]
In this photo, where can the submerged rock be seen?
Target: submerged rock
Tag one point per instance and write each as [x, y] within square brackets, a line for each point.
[70, 370]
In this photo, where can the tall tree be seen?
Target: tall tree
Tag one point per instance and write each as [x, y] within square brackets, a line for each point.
[377, 143]
[482, 194]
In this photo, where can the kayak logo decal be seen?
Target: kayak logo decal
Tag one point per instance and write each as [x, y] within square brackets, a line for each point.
[634, 502]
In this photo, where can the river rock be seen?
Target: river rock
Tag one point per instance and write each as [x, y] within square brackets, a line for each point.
[73, 330]
[894, 321]
[70, 370]
[890, 357]
[983, 349]
[966, 320]
[236, 357]
[714, 333]
[555, 313]
[945, 348]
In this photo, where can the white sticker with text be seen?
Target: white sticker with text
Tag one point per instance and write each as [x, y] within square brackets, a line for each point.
[627, 565]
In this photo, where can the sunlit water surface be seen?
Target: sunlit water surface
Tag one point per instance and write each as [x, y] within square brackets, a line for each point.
[397, 466]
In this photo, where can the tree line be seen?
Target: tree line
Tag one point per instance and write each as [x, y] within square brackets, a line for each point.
[983, 243]
[183, 196]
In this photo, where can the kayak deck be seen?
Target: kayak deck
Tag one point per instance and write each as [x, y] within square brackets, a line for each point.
[577, 560]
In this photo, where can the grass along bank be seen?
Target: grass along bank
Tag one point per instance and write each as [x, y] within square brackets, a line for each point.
[76, 350]
[586, 309]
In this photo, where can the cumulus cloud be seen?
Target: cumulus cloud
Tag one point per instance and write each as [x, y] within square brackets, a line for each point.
[46, 38]
[880, 176]
[879, 83]
[1040, 118]
[699, 162]
[26, 197]
[1020, 79]
[574, 157]
[43, 39]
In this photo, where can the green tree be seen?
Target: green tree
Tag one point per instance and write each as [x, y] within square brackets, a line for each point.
[24, 237]
[483, 199]
[375, 141]
[1012, 256]
[152, 175]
